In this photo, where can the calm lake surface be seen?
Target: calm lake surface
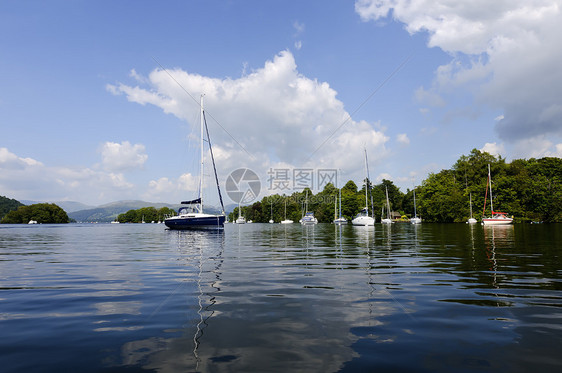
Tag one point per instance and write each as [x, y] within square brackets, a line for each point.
[283, 298]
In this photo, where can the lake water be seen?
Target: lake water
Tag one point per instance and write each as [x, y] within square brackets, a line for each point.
[280, 298]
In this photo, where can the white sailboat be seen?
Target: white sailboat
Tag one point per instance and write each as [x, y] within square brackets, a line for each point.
[386, 220]
[415, 219]
[471, 220]
[193, 216]
[497, 218]
[240, 219]
[363, 217]
[308, 217]
[271, 216]
[286, 221]
[338, 219]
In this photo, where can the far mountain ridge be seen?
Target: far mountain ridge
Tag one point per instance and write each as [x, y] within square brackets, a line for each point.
[109, 211]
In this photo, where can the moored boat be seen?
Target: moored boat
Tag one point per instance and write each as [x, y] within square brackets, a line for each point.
[386, 220]
[192, 216]
[415, 219]
[363, 218]
[497, 218]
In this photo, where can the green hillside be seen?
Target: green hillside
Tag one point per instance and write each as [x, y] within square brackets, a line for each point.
[7, 205]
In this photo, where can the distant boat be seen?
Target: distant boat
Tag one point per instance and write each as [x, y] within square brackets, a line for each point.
[308, 217]
[363, 217]
[415, 219]
[386, 220]
[241, 219]
[338, 219]
[32, 222]
[286, 221]
[115, 221]
[471, 220]
[192, 216]
[498, 218]
[271, 219]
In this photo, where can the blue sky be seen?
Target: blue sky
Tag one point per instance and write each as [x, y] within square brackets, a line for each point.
[89, 111]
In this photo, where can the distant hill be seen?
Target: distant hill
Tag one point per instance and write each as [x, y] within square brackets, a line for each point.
[7, 205]
[109, 212]
[104, 213]
[68, 206]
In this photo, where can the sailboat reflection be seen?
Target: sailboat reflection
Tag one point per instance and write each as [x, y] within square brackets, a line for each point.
[206, 300]
[198, 279]
[497, 237]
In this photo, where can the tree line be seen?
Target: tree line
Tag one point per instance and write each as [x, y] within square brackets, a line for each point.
[146, 214]
[7, 205]
[42, 213]
[530, 190]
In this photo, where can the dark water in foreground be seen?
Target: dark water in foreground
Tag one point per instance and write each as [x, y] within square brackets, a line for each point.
[260, 297]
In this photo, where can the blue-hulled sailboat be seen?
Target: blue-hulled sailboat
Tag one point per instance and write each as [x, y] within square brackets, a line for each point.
[192, 216]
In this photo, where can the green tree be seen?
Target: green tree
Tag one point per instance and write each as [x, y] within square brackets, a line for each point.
[7, 205]
[43, 213]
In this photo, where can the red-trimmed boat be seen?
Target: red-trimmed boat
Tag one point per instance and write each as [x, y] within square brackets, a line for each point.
[497, 218]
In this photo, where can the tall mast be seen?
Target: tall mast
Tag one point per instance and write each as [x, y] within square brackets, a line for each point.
[202, 154]
[415, 212]
[340, 203]
[366, 182]
[387, 205]
[491, 199]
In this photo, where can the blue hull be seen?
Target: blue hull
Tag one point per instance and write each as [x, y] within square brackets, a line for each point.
[215, 222]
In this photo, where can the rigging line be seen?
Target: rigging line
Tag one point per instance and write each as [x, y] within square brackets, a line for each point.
[199, 104]
[363, 103]
[213, 160]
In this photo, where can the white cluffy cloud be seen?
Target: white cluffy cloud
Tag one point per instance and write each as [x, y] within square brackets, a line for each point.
[493, 148]
[403, 139]
[27, 178]
[123, 156]
[165, 186]
[506, 53]
[270, 115]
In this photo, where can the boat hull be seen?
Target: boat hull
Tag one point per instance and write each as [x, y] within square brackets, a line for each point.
[415, 220]
[363, 221]
[497, 221]
[309, 222]
[340, 221]
[195, 222]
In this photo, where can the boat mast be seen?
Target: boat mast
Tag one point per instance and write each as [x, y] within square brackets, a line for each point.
[335, 207]
[202, 154]
[491, 199]
[387, 205]
[470, 198]
[415, 212]
[340, 203]
[366, 182]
